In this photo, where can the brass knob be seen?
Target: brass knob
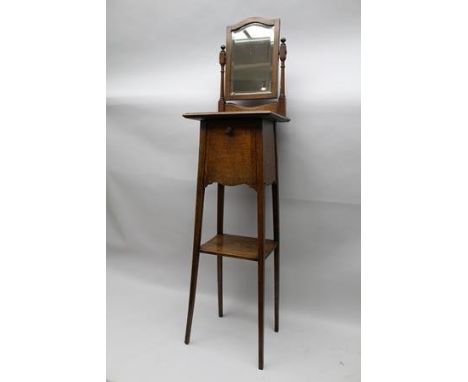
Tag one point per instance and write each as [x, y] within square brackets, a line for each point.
[229, 130]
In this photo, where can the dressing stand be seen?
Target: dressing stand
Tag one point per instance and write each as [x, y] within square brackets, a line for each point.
[238, 146]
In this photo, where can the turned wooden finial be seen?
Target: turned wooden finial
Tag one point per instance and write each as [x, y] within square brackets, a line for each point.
[282, 97]
[222, 62]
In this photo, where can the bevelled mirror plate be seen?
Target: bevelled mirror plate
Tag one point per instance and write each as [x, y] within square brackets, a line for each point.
[253, 60]
[252, 49]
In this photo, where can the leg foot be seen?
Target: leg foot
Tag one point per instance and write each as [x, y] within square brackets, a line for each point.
[275, 198]
[193, 289]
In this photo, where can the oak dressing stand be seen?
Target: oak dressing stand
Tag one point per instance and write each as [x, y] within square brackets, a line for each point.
[238, 146]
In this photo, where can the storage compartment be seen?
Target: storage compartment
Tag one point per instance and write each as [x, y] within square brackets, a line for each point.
[230, 152]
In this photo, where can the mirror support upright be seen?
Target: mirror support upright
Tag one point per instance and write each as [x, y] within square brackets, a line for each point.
[282, 97]
[222, 62]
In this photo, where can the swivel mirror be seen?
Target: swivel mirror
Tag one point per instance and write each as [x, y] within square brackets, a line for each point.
[252, 49]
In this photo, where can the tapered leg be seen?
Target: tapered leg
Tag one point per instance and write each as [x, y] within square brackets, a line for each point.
[261, 270]
[195, 261]
[276, 236]
[220, 221]
[220, 285]
[197, 230]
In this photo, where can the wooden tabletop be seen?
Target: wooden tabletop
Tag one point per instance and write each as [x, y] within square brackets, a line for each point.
[237, 115]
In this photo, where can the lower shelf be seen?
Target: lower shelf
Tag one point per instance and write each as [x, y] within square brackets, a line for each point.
[241, 247]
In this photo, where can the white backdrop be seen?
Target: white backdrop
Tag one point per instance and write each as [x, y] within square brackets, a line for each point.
[162, 61]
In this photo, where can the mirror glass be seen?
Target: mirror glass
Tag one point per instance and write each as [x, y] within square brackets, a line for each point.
[251, 59]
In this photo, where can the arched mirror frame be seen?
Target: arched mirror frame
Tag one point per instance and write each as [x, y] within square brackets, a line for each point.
[275, 23]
